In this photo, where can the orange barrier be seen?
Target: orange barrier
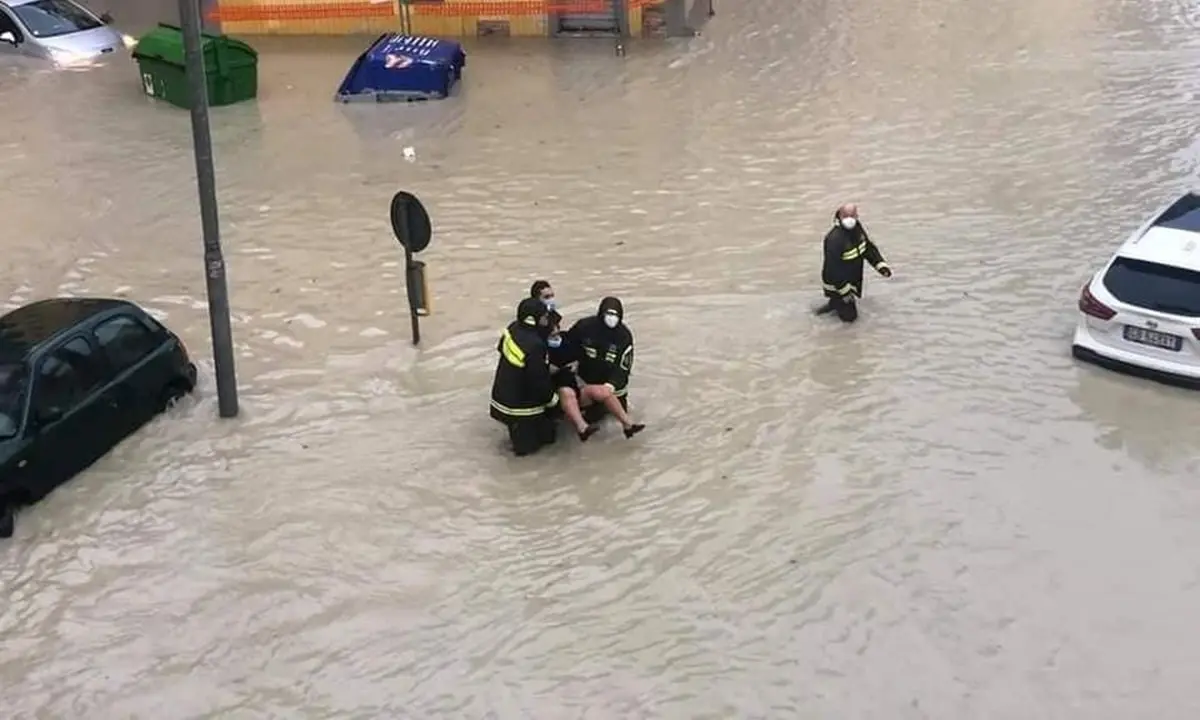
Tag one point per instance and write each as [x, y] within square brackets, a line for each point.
[349, 9]
[290, 11]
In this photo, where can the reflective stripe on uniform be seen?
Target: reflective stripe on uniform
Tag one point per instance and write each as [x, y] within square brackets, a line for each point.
[843, 290]
[512, 352]
[517, 412]
[856, 252]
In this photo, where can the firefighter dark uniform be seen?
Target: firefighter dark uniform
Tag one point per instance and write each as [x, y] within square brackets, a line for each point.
[605, 354]
[842, 273]
[522, 392]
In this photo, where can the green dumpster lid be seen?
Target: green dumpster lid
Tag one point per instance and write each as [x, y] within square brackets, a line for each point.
[165, 43]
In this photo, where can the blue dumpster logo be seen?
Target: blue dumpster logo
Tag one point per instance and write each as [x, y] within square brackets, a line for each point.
[397, 62]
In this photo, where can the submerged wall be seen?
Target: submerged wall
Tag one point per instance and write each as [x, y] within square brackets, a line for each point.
[445, 18]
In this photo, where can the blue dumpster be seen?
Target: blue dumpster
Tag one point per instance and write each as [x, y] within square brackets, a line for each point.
[404, 67]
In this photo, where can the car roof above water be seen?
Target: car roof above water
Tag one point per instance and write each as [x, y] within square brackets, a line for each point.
[1173, 238]
[24, 329]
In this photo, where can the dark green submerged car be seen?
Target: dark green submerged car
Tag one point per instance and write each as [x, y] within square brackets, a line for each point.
[78, 376]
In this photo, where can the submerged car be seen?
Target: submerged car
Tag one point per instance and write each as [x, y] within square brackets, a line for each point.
[58, 30]
[78, 376]
[1141, 312]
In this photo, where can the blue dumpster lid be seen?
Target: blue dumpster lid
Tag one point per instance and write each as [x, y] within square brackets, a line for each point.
[399, 51]
[397, 67]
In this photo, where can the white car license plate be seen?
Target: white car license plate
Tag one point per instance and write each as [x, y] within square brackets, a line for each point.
[1142, 336]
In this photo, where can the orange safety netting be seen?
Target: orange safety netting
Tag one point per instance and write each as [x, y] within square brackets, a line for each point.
[267, 10]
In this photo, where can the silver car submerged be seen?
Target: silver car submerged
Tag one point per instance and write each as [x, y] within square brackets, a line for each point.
[58, 30]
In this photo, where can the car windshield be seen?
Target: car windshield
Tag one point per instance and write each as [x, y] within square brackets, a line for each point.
[13, 382]
[51, 18]
[1153, 286]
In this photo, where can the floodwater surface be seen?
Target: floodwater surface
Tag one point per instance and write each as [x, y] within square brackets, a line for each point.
[934, 513]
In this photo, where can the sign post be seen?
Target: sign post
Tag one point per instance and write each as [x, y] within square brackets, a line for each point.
[619, 7]
[405, 13]
[410, 224]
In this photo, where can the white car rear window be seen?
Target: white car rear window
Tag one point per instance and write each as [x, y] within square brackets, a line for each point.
[1154, 286]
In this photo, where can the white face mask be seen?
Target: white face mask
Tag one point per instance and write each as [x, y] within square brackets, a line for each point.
[550, 303]
[611, 320]
[555, 341]
[849, 222]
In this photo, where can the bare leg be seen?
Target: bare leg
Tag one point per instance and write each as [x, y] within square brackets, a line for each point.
[570, 407]
[605, 396]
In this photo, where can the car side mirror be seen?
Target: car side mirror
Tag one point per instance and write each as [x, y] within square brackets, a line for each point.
[106, 18]
[49, 416]
[8, 37]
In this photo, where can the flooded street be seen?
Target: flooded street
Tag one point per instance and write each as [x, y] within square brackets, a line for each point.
[934, 513]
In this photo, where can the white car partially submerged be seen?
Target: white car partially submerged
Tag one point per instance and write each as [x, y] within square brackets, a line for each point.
[1141, 313]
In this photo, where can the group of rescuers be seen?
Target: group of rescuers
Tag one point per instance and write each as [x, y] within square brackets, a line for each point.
[545, 373]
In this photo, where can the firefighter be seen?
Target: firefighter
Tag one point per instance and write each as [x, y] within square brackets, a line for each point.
[605, 346]
[564, 357]
[846, 246]
[523, 395]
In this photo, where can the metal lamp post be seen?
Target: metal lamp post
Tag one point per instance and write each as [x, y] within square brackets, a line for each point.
[214, 260]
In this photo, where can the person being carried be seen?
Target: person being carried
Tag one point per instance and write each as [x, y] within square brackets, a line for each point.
[522, 390]
[604, 345]
[846, 246]
[564, 356]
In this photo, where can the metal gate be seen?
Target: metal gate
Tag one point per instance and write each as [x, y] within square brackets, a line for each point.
[589, 17]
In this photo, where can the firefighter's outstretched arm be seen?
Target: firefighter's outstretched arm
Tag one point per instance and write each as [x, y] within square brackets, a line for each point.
[875, 257]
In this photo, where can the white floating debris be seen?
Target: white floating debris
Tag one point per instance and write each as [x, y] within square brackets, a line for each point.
[287, 341]
[308, 321]
[410, 153]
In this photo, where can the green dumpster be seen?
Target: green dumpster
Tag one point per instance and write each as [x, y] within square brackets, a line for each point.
[231, 67]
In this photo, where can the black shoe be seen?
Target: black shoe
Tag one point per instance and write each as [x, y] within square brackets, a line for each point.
[587, 432]
[634, 429]
[824, 309]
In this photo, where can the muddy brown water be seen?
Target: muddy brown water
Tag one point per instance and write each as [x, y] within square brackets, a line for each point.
[935, 513]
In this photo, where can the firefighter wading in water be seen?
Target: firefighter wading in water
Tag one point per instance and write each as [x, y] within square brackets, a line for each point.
[523, 396]
[846, 246]
[605, 352]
